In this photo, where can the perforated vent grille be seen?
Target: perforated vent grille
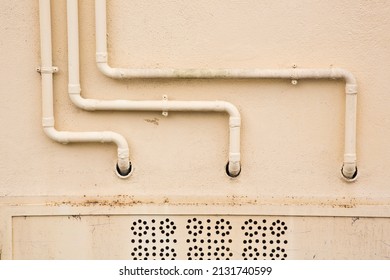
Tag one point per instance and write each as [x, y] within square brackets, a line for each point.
[153, 239]
[208, 238]
[264, 240]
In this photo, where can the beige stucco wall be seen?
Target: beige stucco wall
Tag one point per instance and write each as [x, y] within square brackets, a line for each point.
[292, 136]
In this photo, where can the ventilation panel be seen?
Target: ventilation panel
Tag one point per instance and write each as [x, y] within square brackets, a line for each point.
[196, 237]
[208, 238]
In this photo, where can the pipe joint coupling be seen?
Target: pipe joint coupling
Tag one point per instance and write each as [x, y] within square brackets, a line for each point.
[123, 153]
[234, 122]
[48, 122]
[74, 89]
[351, 89]
[234, 157]
[101, 57]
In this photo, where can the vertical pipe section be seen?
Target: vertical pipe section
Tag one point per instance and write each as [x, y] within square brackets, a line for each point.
[47, 69]
[101, 36]
[46, 63]
[73, 48]
[349, 169]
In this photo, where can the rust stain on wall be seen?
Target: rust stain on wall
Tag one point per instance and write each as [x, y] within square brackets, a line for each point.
[233, 200]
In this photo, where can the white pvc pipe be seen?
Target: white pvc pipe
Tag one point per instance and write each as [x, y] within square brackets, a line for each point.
[233, 168]
[126, 73]
[349, 169]
[47, 70]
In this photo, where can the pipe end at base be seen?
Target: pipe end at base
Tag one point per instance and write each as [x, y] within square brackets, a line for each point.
[124, 174]
[233, 172]
[349, 175]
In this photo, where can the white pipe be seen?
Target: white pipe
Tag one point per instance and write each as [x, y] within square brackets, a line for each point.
[47, 70]
[349, 169]
[234, 167]
[126, 73]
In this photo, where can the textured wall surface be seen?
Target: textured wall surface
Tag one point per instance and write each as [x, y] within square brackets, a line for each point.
[292, 136]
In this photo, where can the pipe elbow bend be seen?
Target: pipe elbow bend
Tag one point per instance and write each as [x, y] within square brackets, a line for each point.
[349, 77]
[82, 103]
[343, 73]
[350, 80]
[108, 71]
[56, 135]
[231, 109]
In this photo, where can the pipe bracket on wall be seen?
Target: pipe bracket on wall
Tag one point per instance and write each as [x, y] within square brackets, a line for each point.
[165, 106]
[47, 70]
[294, 79]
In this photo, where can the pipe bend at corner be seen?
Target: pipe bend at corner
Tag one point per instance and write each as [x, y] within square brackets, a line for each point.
[66, 137]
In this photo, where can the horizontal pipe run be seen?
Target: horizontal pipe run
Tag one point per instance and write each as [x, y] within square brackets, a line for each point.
[139, 73]
[293, 73]
[155, 105]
